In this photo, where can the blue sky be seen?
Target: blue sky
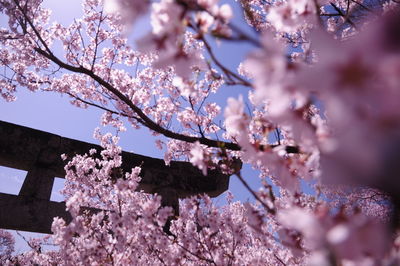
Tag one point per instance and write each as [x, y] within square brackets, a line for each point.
[52, 112]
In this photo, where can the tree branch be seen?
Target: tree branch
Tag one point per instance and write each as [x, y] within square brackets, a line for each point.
[144, 119]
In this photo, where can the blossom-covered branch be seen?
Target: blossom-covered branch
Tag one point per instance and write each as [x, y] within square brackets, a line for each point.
[317, 121]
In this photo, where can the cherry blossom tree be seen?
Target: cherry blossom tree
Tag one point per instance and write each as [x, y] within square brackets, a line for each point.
[319, 107]
[6, 246]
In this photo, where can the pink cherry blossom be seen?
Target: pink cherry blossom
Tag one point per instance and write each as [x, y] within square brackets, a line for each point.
[128, 10]
[317, 120]
[7, 243]
[198, 157]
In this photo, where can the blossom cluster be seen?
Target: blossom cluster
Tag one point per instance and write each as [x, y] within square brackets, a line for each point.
[318, 119]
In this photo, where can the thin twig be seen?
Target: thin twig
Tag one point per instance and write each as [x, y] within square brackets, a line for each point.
[269, 209]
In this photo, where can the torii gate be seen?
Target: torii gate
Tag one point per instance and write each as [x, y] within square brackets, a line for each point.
[39, 153]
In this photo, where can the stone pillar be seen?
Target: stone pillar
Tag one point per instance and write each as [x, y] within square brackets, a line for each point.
[38, 184]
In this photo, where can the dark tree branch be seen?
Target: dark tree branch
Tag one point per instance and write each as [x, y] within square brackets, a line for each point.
[142, 117]
[227, 72]
[269, 209]
[345, 16]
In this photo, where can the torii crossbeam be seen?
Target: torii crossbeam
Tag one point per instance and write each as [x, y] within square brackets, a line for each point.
[39, 153]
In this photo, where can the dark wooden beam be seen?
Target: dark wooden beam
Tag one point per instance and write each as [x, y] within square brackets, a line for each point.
[30, 149]
[30, 214]
[39, 153]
